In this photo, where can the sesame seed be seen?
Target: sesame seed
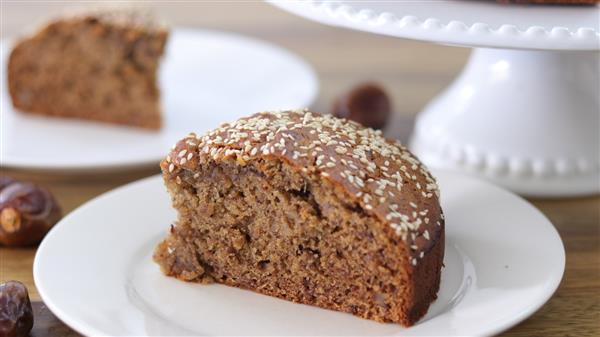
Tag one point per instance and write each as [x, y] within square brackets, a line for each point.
[340, 150]
[355, 156]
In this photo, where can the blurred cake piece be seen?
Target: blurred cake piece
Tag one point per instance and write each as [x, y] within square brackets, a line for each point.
[99, 65]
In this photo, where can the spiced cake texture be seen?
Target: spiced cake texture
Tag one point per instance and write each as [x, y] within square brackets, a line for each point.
[98, 65]
[309, 208]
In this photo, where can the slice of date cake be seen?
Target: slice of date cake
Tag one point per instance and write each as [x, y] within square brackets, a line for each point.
[309, 208]
[98, 65]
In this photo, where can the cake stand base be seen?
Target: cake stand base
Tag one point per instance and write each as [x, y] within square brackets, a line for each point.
[527, 120]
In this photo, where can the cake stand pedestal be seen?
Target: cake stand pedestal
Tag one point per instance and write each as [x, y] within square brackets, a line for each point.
[524, 114]
[527, 120]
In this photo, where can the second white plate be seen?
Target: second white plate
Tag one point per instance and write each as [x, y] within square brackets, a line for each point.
[206, 78]
[94, 270]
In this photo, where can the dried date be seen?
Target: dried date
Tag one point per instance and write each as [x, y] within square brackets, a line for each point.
[367, 104]
[16, 314]
[27, 212]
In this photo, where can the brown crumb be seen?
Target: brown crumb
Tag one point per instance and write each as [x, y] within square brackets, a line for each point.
[300, 220]
[98, 66]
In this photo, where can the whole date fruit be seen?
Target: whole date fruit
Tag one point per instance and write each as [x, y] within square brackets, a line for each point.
[27, 212]
[16, 315]
[367, 104]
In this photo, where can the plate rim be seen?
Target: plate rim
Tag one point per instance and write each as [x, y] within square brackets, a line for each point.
[87, 329]
[83, 329]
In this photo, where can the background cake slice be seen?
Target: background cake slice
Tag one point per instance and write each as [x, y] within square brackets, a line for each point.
[100, 65]
[309, 208]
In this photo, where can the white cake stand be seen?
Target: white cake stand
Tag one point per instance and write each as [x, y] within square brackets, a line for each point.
[525, 111]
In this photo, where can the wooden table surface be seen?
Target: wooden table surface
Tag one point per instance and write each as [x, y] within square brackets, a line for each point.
[413, 72]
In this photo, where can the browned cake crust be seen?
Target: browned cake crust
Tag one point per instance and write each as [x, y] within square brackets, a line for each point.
[308, 208]
[99, 66]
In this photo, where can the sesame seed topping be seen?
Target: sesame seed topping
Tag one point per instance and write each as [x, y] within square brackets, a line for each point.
[372, 169]
[340, 150]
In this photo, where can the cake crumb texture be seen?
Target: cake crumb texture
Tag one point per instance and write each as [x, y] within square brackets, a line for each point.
[309, 208]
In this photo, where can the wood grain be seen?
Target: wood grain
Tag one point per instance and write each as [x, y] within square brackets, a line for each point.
[413, 72]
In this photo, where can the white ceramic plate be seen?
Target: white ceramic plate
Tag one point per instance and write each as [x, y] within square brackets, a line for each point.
[206, 78]
[94, 270]
[462, 22]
